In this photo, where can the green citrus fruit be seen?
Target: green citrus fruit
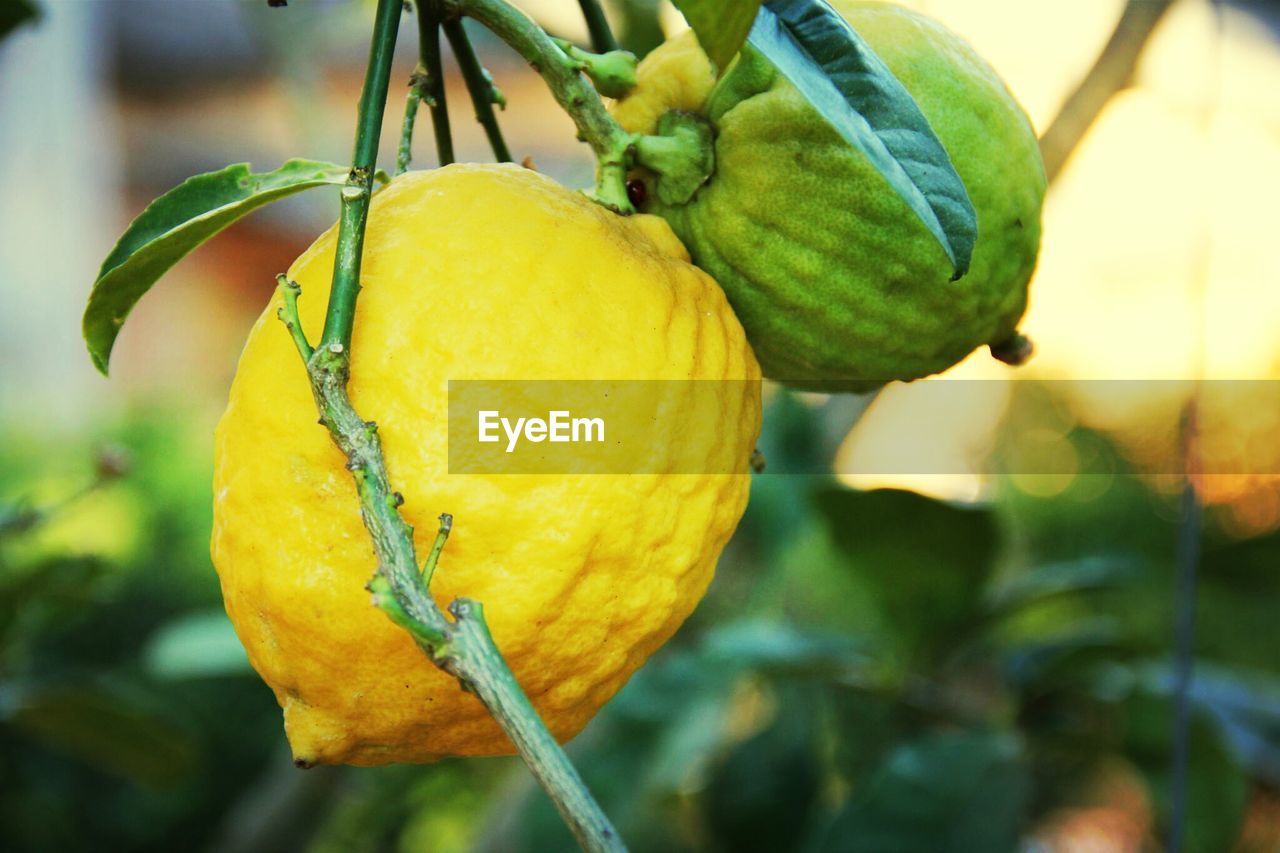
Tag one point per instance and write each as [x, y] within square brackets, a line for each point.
[479, 272]
[839, 285]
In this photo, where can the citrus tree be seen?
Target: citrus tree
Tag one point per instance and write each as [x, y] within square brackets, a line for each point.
[918, 252]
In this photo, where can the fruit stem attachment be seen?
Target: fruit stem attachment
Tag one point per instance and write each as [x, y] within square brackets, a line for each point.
[484, 94]
[682, 154]
[426, 84]
[602, 40]
[612, 145]
[461, 646]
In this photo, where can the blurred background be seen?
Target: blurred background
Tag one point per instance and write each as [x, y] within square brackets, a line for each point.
[977, 659]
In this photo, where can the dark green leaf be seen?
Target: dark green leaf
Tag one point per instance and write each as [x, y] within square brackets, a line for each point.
[1236, 601]
[720, 25]
[46, 593]
[956, 792]
[760, 795]
[14, 13]
[194, 646]
[1217, 787]
[780, 648]
[105, 730]
[855, 91]
[1243, 704]
[1067, 659]
[1060, 579]
[927, 562]
[174, 225]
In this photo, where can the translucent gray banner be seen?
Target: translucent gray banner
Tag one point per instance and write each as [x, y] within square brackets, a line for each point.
[1033, 427]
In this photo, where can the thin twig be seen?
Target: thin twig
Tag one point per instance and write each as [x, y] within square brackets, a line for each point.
[426, 84]
[1184, 605]
[340, 316]
[483, 93]
[612, 145]
[417, 86]
[602, 40]
[1111, 72]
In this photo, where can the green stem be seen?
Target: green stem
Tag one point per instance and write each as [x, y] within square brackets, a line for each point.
[432, 73]
[437, 547]
[417, 85]
[288, 315]
[612, 145]
[426, 84]
[486, 675]
[483, 93]
[602, 40]
[461, 646]
[340, 317]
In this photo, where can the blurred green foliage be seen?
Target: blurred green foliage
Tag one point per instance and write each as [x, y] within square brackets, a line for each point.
[870, 671]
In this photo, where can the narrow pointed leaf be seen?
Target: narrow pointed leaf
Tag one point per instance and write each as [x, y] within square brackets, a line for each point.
[175, 224]
[720, 25]
[852, 88]
[14, 13]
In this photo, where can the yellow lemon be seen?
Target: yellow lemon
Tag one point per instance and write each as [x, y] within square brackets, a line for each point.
[478, 272]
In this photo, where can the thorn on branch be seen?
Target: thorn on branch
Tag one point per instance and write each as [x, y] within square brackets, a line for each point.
[495, 94]
[466, 608]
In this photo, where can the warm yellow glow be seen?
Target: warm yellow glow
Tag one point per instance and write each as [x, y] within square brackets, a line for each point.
[1159, 256]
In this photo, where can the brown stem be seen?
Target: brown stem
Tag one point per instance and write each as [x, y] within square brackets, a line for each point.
[1111, 72]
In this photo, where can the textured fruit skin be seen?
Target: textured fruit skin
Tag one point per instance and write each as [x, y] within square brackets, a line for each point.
[477, 272]
[839, 285]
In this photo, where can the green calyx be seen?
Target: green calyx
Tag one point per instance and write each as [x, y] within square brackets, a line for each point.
[681, 155]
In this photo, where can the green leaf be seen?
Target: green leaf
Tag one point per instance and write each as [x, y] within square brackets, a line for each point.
[946, 792]
[852, 88]
[1238, 587]
[14, 13]
[105, 729]
[927, 562]
[1060, 579]
[195, 646]
[720, 25]
[760, 796]
[1217, 786]
[778, 648]
[1243, 704]
[174, 225]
